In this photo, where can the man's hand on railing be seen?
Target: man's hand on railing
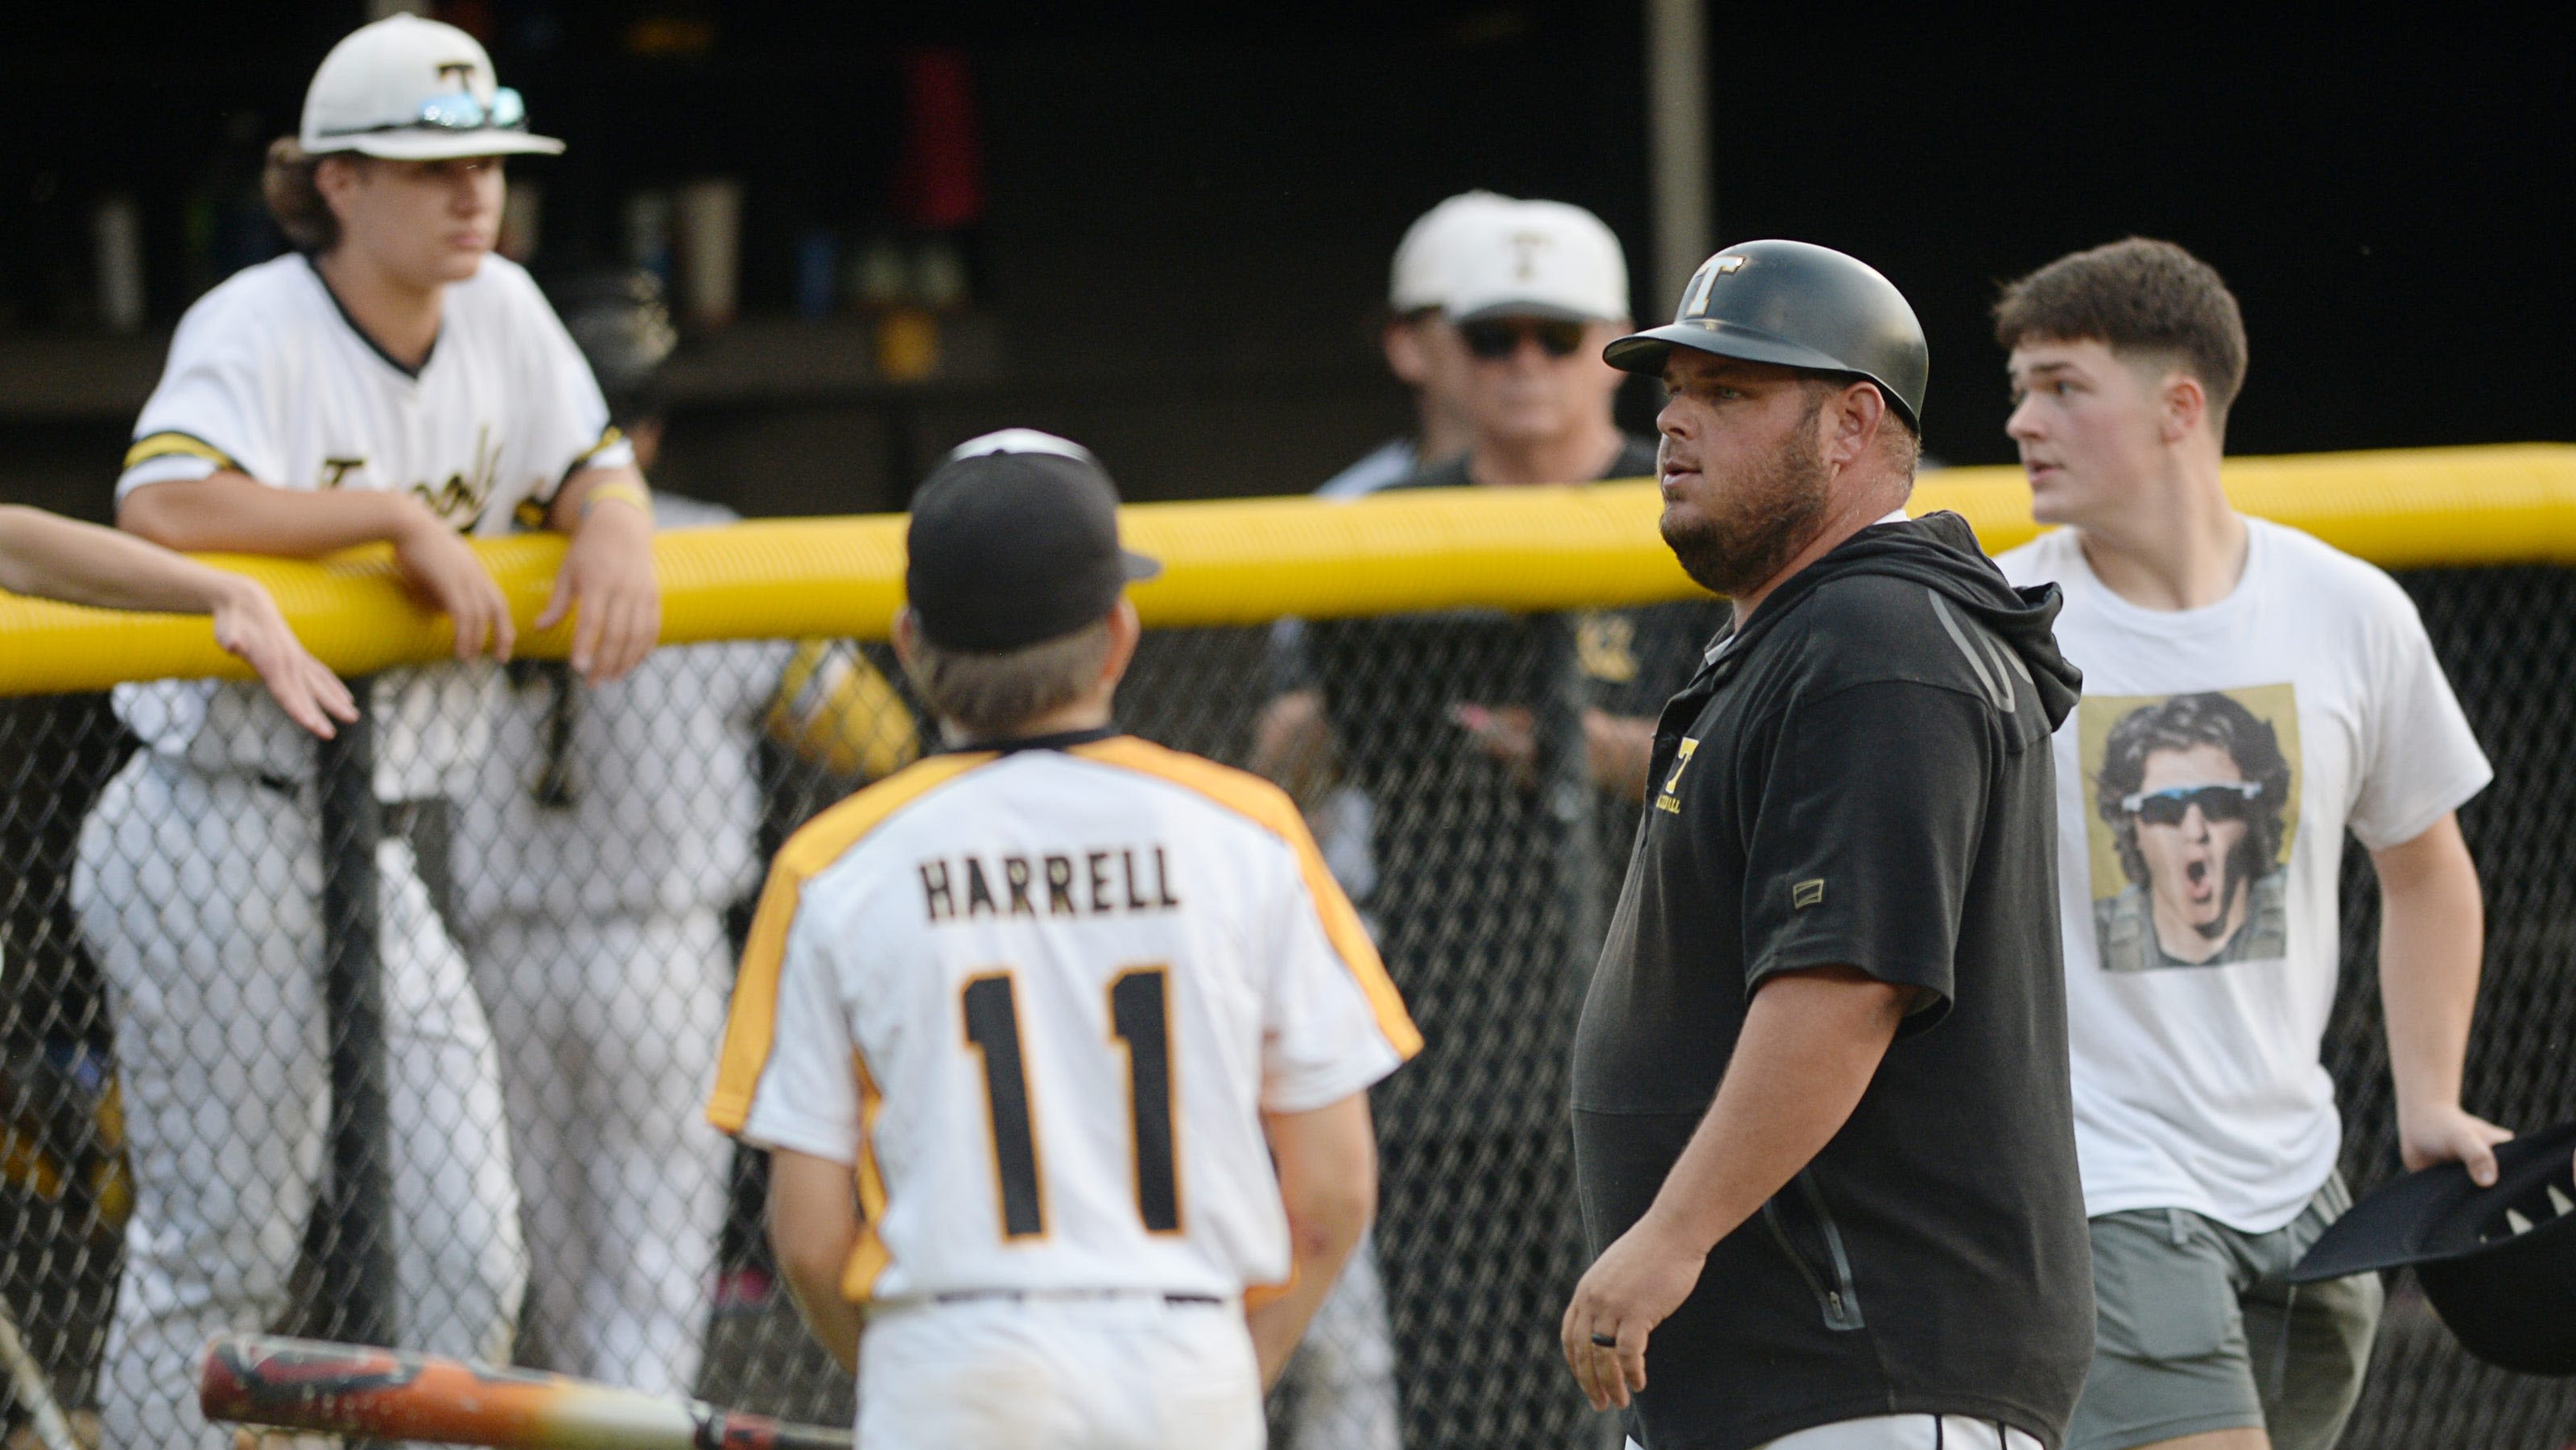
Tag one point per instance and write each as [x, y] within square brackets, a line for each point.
[607, 582]
[247, 624]
[445, 574]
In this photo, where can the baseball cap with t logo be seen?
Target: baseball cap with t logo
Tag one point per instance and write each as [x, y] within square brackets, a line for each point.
[409, 89]
[1537, 259]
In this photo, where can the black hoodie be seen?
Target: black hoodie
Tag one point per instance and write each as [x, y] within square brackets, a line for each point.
[1860, 777]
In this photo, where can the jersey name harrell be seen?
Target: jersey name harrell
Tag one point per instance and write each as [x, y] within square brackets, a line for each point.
[1131, 880]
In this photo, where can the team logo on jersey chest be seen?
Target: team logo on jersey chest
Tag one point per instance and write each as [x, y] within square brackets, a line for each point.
[458, 500]
[1669, 798]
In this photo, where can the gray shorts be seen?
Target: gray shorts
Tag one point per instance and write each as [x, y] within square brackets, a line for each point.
[2198, 1329]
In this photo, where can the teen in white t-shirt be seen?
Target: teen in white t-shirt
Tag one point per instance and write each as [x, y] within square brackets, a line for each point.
[2198, 1085]
[2250, 695]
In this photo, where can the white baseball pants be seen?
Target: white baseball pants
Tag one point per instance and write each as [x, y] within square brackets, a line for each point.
[1906, 1432]
[608, 1031]
[1126, 1373]
[201, 895]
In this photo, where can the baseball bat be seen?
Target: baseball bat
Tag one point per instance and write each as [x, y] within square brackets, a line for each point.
[35, 1390]
[386, 1394]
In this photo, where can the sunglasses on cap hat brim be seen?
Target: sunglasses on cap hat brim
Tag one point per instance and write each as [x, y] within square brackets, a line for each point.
[445, 126]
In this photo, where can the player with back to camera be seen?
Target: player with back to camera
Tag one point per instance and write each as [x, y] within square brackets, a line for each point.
[389, 381]
[609, 830]
[1820, 1100]
[47, 557]
[1084, 1015]
[2256, 694]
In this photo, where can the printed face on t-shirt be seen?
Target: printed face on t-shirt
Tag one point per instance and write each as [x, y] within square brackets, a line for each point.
[2190, 825]
[2194, 814]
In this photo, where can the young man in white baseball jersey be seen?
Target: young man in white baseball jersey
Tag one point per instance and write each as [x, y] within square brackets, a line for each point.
[2250, 695]
[390, 381]
[609, 830]
[1082, 1014]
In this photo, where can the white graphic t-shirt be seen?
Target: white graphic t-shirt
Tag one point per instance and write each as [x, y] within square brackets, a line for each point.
[2204, 786]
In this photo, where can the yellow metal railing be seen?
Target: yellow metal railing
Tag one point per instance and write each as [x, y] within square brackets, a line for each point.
[1243, 561]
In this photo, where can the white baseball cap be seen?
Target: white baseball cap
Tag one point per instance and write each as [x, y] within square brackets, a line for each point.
[1539, 259]
[1426, 260]
[409, 89]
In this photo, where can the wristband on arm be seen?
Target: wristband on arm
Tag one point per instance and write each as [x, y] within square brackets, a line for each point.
[619, 492]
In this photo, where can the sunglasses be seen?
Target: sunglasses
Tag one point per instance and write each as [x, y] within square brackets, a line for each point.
[459, 111]
[2233, 801]
[1497, 338]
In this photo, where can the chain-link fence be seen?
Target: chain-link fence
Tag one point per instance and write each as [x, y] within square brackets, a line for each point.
[536, 908]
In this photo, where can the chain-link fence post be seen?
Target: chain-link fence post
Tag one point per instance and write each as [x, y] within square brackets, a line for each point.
[357, 1268]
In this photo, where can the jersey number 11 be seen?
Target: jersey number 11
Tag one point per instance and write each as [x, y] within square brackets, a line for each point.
[1140, 1021]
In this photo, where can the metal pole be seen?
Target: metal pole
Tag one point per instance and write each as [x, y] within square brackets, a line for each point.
[1681, 181]
[1571, 799]
[1569, 810]
[358, 1295]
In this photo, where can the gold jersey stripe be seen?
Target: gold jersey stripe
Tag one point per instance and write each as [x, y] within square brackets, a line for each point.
[752, 1025]
[607, 436]
[1268, 806]
[163, 445]
[868, 1257]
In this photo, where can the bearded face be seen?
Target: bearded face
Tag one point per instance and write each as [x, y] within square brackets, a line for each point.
[1736, 520]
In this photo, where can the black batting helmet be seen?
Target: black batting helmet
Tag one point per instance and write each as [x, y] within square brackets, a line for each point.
[1797, 305]
[2499, 1264]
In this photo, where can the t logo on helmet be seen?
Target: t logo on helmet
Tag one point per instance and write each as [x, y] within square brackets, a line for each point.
[1695, 296]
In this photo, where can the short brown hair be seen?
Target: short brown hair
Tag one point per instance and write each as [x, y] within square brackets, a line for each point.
[994, 694]
[295, 198]
[2134, 296]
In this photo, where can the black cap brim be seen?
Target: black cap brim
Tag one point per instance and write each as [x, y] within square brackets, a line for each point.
[1139, 567]
[2431, 1215]
[1645, 352]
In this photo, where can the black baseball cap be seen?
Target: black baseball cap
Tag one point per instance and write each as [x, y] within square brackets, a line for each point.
[2498, 1264]
[1013, 542]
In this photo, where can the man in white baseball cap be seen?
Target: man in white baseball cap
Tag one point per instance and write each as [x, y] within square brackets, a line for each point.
[1420, 349]
[1536, 291]
[409, 89]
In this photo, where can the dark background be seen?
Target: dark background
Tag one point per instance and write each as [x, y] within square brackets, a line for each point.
[1189, 219]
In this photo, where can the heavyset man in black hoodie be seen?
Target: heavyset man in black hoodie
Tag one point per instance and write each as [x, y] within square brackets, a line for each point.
[1821, 1112]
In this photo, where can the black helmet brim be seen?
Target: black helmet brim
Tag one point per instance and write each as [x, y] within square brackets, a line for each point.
[1646, 352]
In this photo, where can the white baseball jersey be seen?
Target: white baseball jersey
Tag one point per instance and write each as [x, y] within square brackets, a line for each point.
[648, 805]
[269, 377]
[1040, 1000]
[648, 802]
